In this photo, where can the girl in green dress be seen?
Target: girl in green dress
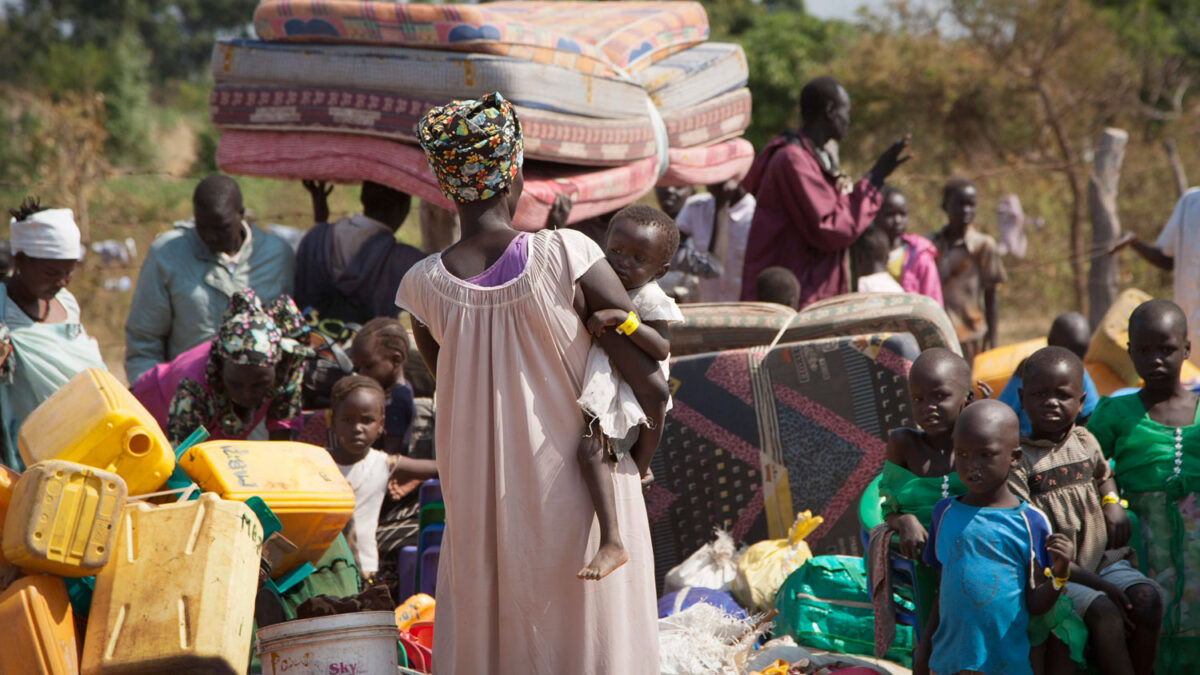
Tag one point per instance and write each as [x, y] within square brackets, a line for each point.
[919, 470]
[1154, 439]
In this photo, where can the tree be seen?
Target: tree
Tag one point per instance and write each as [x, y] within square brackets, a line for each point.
[785, 47]
[1015, 83]
[178, 33]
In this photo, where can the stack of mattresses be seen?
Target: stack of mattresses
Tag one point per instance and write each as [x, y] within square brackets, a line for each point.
[702, 96]
[333, 90]
[756, 435]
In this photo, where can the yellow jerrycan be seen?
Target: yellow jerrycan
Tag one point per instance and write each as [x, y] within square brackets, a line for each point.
[62, 519]
[109, 429]
[300, 482]
[178, 595]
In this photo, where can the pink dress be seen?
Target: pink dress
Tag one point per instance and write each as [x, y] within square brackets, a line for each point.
[920, 271]
[520, 523]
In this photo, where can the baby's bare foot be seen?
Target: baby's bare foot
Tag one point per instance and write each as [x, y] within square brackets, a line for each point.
[607, 559]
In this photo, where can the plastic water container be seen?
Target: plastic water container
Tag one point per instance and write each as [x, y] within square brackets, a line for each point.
[420, 607]
[39, 628]
[1110, 341]
[62, 518]
[178, 596]
[109, 429]
[996, 366]
[8, 479]
[300, 483]
[364, 642]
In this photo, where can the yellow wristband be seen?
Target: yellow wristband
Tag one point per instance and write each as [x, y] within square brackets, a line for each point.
[1058, 582]
[631, 324]
[1113, 498]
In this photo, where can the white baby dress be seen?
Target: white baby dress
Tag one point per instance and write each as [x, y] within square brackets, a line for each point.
[605, 395]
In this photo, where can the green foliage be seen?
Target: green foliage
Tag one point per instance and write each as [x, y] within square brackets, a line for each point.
[784, 48]
[178, 33]
[1163, 38]
[126, 91]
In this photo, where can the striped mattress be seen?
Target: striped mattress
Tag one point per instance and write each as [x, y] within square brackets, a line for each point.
[709, 164]
[352, 159]
[756, 435]
[549, 136]
[710, 327]
[425, 74]
[597, 38]
[695, 75]
[715, 120]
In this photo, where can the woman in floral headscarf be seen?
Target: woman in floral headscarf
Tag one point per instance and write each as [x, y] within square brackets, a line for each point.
[249, 373]
[498, 321]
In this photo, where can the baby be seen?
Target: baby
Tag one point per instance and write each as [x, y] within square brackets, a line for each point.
[998, 561]
[639, 245]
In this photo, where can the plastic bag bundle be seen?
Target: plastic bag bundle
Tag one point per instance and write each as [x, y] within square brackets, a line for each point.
[703, 639]
[763, 568]
[714, 565]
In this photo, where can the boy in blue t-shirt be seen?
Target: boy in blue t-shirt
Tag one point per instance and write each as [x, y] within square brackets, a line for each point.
[995, 554]
[1069, 331]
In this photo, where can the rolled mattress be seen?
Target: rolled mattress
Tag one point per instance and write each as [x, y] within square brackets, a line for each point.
[352, 159]
[548, 136]
[722, 118]
[597, 38]
[425, 74]
[709, 164]
[695, 75]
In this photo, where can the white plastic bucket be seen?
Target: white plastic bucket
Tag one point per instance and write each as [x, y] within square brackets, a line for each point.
[363, 643]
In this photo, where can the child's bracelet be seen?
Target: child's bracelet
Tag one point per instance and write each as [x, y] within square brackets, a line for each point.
[1113, 498]
[1057, 582]
[631, 324]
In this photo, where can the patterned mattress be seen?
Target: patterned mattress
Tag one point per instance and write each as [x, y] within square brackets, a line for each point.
[715, 120]
[695, 75]
[597, 38]
[755, 436]
[709, 164]
[549, 136]
[710, 327]
[349, 158]
[425, 74]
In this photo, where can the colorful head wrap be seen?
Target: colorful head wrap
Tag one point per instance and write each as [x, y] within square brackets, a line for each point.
[474, 147]
[249, 335]
[253, 335]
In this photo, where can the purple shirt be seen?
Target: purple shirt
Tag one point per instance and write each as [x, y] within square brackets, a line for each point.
[508, 266]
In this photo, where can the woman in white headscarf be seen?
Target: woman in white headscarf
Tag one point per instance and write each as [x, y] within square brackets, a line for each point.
[42, 341]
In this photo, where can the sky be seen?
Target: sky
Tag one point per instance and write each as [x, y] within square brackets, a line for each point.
[839, 9]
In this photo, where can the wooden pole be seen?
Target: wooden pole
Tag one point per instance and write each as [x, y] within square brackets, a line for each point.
[1181, 182]
[1106, 224]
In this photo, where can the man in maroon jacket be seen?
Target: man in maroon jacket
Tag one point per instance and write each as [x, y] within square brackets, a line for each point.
[809, 212]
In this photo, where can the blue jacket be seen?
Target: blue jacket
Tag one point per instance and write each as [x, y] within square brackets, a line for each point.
[182, 292]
